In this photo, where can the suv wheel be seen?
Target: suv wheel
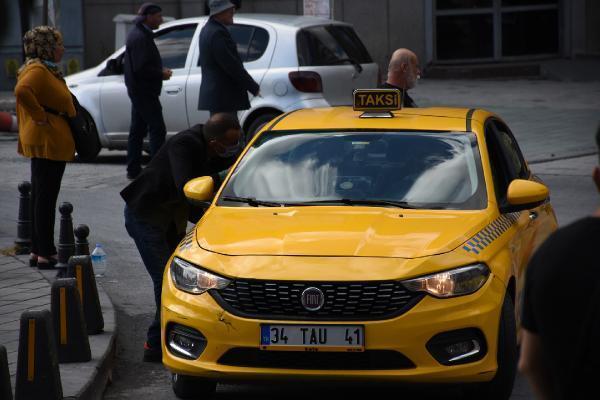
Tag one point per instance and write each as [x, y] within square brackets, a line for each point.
[258, 123]
[191, 387]
[500, 388]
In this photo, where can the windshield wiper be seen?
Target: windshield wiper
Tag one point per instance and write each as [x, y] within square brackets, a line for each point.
[251, 201]
[359, 202]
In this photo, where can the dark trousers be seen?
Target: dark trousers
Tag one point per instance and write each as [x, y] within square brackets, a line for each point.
[155, 244]
[46, 176]
[146, 118]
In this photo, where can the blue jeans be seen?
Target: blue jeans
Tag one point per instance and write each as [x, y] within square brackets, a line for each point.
[146, 118]
[155, 245]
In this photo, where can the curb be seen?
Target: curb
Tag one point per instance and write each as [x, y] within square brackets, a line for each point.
[97, 373]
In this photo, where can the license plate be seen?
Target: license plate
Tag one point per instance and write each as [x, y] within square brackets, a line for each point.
[312, 337]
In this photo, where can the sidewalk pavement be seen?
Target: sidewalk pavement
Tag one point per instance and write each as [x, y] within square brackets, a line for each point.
[24, 288]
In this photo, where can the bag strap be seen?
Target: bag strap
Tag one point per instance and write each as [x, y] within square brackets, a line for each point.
[53, 111]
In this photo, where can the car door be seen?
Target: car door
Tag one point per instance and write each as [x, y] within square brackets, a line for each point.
[255, 45]
[508, 164]
[336, 53]
[174, 45]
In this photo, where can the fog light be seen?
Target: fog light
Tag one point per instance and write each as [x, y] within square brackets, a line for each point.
[458, 347]
[185, 342]
[463, 349]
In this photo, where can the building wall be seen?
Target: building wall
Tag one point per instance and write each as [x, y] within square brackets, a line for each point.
[68, 21]
[100, 28]
[383, 25]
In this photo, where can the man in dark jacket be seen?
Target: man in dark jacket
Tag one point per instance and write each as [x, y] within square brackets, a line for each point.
[225, 82]
[403, 74]
[156, 210]
[144, 74]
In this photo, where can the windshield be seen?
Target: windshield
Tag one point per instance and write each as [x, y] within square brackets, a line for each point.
[410, 169]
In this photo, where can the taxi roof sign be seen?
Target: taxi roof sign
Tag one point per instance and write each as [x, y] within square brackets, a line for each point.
[377, 100]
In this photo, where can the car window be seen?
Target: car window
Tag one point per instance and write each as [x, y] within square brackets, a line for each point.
[174, 44]
[251, 41]
[351, 43]
[258, 44]
[329, 45]
[506, 160]
[423, 169]
[242, 34]
[511, 151]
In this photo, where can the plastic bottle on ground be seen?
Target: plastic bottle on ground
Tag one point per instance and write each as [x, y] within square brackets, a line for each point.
[99, 260]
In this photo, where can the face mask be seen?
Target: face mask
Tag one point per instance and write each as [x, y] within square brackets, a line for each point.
[229, 151]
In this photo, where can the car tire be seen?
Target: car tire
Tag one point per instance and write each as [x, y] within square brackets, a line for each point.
[257, 124]
[192, 387]
[95, 130]
[501, 387]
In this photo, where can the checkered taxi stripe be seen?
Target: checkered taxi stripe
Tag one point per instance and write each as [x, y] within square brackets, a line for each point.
[186, 242]
[490, 233]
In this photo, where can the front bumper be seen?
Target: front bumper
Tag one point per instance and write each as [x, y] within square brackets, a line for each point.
[407, 334]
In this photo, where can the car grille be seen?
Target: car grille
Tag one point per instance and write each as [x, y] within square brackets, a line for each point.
[280, 300]
[367, 360]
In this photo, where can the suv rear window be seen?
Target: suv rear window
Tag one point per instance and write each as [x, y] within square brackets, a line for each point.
[330, 45]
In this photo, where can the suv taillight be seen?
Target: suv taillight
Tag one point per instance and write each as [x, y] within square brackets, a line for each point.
[306, 81]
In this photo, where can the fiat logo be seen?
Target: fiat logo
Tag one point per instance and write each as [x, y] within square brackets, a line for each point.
[312, 299]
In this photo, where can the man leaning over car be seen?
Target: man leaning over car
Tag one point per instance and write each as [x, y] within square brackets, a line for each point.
[156, 210]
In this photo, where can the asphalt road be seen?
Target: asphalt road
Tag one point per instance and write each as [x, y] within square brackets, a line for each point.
[551, 120]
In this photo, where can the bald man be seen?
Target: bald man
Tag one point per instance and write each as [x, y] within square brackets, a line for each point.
[403, 73]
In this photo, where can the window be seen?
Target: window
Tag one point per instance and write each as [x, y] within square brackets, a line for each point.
[174, 44]
[330, 45]
[251, 41]
[495, 29]
[465, 36]
[505, 157]
[511, 151]
[440, 170]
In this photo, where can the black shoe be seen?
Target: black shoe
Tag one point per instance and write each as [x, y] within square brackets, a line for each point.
[47, 264]
[152, 354]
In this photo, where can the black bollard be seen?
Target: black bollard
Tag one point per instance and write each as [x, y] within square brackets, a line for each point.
[82, 246]
[23, 242]
[80, 268]
[70, 330]
[66, 241]
[5, 388]
[38, 376]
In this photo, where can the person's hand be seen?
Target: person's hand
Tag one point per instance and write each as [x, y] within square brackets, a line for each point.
[41, 123]
[259, 94]
[167, 73]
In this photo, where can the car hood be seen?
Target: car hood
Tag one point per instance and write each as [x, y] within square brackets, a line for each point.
[83, 76]
[336, 231]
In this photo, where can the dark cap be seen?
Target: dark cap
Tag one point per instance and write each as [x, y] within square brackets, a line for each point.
[148, 9]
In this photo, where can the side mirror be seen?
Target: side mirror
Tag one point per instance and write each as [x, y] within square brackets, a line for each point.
[523, 194]
[200, 191]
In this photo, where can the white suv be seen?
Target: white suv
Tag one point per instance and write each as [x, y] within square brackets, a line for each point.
[298, 61]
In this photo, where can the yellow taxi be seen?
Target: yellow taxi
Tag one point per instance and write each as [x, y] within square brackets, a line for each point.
[359, 243]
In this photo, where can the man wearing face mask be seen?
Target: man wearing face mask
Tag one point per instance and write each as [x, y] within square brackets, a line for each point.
[156, 210]
[403, 73]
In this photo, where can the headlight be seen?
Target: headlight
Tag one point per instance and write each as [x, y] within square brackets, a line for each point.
[455, 282]
[191, 279]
